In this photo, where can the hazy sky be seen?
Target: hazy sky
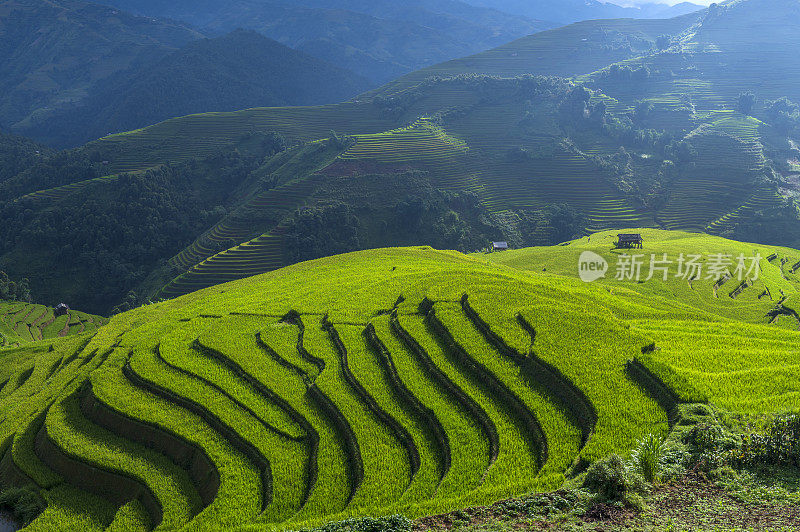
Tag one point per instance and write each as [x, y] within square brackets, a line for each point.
[671, 2]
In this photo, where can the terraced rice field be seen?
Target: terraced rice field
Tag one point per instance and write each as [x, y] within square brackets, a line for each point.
[260, 255]
[21, 323]
[762, 199]
[720, 184]
[55, 194]
[281, 200]
[568, 51]
[200, 135]
[422, 145]
[502, 185]
[399, 380]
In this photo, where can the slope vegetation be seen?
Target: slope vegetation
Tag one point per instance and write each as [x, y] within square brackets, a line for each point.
[658, 138]
[21, 323]
[396, 380]
[55, 53]
[236, 71]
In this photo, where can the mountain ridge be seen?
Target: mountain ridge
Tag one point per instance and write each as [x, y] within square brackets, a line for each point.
[378, 40]
[660, 139]
[569, 11]
[239, 70]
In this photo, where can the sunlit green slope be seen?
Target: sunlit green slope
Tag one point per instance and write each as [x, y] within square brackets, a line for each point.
[395, 380]
[733, 338]
[21, 323]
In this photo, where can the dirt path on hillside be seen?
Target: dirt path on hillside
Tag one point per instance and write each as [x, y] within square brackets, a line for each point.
[690, 503]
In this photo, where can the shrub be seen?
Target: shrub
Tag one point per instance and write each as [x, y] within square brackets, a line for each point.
[393, 523]
[779, 446]
[24, 503]
[612, 481]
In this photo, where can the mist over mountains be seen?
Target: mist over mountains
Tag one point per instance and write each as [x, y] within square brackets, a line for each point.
[566, 11]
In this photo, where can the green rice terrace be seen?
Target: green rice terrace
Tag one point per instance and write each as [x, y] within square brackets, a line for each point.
[398, 380]
[21, 323]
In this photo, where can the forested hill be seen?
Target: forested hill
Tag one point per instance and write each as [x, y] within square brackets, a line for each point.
[377, 39]
[693, 128]
[72, 71]
[53, 53]
[18, 154]
[236, 71]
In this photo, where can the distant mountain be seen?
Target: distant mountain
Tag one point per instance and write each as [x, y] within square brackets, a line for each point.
[566, 11]
[378, 39]
[53, 54]
[237, 71]
[568, 51]
[652, 123]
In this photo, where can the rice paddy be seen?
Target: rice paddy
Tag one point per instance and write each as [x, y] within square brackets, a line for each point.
[21, 323]
[403, 380]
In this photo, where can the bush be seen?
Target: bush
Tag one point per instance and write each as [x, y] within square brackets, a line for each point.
[612, 482]
[393, 523]
[24, 503]
[779, 446]
[14, 291]
[746, 102]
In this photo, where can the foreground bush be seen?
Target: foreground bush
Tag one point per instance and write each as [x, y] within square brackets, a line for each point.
[25, 504]
[613, 482]
[646, 457]
[779, 446]
[393, 523]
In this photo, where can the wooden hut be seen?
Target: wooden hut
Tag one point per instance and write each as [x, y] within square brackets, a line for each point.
[626, 240]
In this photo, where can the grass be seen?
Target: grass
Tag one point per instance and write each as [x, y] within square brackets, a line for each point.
[419, 382]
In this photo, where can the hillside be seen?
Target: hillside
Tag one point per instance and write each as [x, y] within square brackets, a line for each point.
[22, 323]
[396, 380]
[53, 54]
[378, 40]
[17, 154]
[236, 71]
[660, 139]
[568, 51]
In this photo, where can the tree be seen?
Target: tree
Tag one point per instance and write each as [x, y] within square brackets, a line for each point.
[643, 110]
[784, 114]
[576, 104]
[746, 102]
[663, 42]
[14, 291]
[567, 223]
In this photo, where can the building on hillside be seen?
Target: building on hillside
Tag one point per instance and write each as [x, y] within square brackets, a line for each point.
[629, 241]
[61, 309]
[499, 246]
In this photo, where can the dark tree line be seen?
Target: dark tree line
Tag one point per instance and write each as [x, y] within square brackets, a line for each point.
[405, 209]
[111, 236]
[18, 154]
[14, 291]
